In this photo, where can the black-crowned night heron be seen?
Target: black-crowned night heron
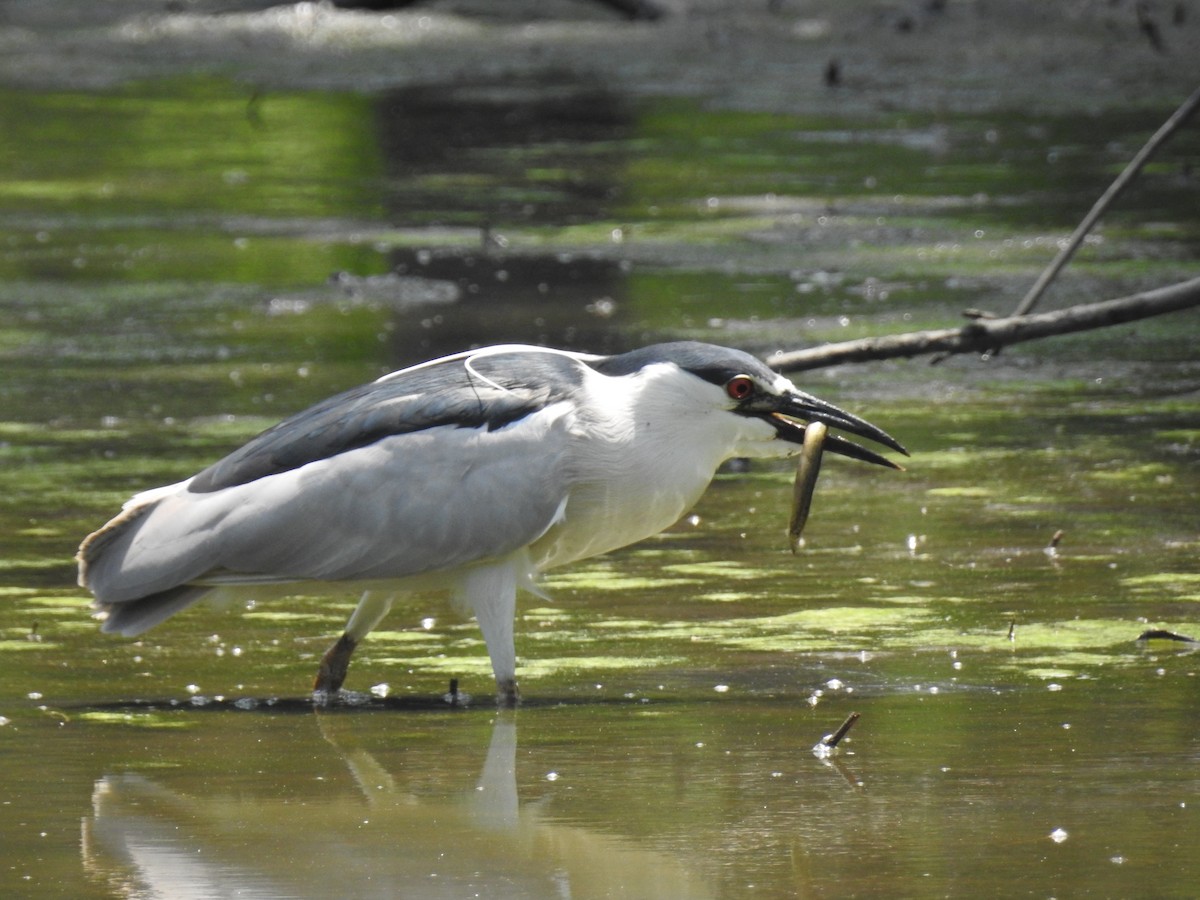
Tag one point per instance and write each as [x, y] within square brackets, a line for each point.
[471, 474]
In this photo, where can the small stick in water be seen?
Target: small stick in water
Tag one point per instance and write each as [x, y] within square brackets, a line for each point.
[1051, 549]
[832, 740]
[807, 471]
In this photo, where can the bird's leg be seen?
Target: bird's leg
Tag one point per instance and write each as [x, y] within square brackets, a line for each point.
[336, 662]
[491, 593]
[507, 693]
[334, 665]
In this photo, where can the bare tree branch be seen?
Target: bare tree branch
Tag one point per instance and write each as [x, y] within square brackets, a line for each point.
[986, 335]
[1101, 206]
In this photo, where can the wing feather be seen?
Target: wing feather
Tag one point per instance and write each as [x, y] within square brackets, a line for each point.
[488, 390]
[408, 504]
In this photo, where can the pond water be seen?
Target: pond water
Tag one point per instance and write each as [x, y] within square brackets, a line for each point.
[182, 263]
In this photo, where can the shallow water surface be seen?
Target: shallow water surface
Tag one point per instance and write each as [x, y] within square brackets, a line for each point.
[232, 258]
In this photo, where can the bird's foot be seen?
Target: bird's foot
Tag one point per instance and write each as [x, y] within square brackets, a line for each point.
[325, 699]
[334, 666]
[507, 694]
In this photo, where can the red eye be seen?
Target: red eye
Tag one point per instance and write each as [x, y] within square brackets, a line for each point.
[740, 387]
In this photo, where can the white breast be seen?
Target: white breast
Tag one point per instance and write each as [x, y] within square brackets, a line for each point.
[636, 469]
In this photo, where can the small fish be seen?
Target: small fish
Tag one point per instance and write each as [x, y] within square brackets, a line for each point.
[807, 470]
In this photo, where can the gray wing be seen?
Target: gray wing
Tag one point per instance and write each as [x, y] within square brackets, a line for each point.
[486, 392]
[388, 481]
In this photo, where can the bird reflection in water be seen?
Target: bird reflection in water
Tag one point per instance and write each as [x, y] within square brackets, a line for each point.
[390, 837]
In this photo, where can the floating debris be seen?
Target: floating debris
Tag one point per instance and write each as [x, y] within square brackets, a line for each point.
[1159, 634]
[455, 697]
[827, 746]
[1051, 549]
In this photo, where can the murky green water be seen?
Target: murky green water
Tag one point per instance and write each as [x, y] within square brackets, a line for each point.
[182, 264]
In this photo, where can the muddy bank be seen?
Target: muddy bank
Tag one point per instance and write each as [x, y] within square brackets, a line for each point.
[823, 56]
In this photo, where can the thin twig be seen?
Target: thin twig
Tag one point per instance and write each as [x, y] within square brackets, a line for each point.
[1181, 115]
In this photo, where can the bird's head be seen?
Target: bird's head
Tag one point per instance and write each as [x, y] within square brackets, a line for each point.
[745, 387]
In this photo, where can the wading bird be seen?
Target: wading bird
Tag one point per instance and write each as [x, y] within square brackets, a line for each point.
[471, 474]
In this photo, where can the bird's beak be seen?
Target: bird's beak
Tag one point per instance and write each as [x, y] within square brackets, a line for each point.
[795, 404]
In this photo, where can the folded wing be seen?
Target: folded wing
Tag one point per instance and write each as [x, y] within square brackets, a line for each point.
[406, 476]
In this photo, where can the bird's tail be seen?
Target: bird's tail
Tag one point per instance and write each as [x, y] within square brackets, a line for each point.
[96, 544]
[128, 600]
[135, 616]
